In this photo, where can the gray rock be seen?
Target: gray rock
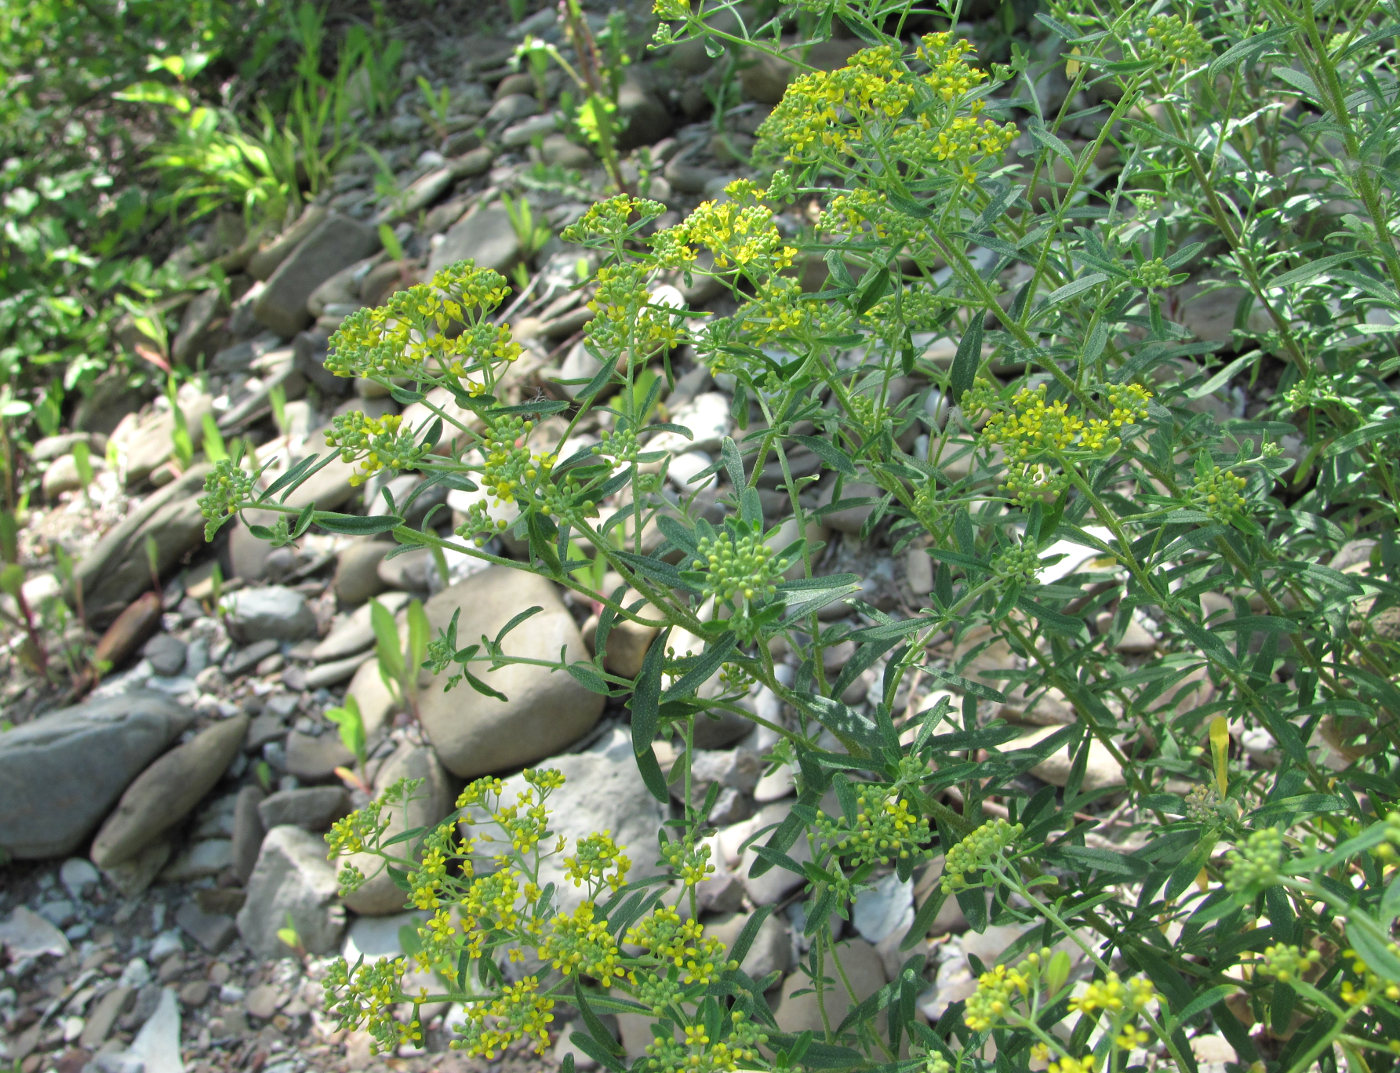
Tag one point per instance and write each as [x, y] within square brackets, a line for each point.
[246, 659]
[271, 611]
[248, 831]
[135, 874]
[356, 576]
[204, 859]
[528, 130]
[147, 442]
[797, 1012]
[485, 236]
[293, 885]
[544, 710]
[849, 519]
[195, 336]
[77, 875]
[325, 675]
[103, 1015]
[167, 791]
[116, 570]
[166, 654]
[26, 935]
[313, 757]
[157, 1046]
[354, 633]
[414, 570]
[333, 242]
[61, 773]
[513, 107]
[561, 151]
[772, 946]
[312, 808]
[642, 117]
[62, 476]
[265, 259]
[212, 931]
[379, 894]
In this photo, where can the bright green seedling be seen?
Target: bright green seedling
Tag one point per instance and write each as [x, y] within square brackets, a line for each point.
[289, 936]
[399, 667]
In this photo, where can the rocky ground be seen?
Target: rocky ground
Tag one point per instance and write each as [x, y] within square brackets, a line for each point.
[166, 824]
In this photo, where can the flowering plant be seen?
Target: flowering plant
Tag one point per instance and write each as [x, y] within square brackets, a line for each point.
[962, 315]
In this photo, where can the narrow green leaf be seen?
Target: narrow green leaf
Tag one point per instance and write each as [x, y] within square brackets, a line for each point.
[1069, 290]
[645, 705]
[829, 453]
[733, 462]
[354, 525]
[966, 360]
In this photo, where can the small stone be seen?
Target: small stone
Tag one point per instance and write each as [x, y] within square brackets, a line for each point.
[77, 875]
[213, 932]
[268, 612]
[263, 1001]
[166, 654]
[314, 808]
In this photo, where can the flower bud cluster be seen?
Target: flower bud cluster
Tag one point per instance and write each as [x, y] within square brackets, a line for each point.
[1286, 962]
[1172, 39]
[743, 569]
[1219, 492]
[226, 490]
[1256, 864]
[981, 849]
[883, 830]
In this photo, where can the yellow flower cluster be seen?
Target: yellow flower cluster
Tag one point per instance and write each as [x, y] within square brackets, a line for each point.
[408, 335]
[1039, 436]
[376, 442]
[609, 222]
[597, 862]
[626, 320]
[1369, 985]
[1032, 427]
[738, 231]
[479, 914]
[876, 109]
[579, 943]
[699, 1053]
[518, 1012]
[1114, 996]
[884, 829]
[511, 472]
[997, 991]
[682, 943]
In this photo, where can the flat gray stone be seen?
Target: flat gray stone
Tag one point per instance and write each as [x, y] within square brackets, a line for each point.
[116, 570]
[312, 808]
[167, 791]
[485, 236]
[61, 773]
[268, 612]
[334, 242]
